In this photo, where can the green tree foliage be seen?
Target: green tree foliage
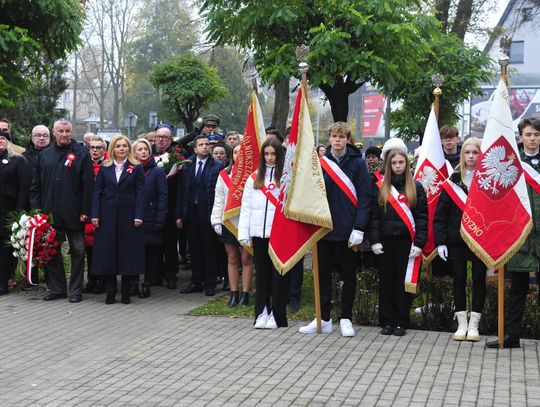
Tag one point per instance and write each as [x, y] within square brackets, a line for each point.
[233, 108]
[29, 32]
[187, 86]
[463, 68]
[351, 42]
[165, 30]
[36, 105]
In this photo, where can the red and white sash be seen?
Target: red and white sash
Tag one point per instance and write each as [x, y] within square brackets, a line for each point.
[225, 177]
[400, 206]
[531, 176]
[456, 193]
[340, 178]
[267, 191]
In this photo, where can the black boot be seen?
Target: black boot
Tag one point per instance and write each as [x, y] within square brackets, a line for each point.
[233, 302]
[244, 299]
[90, 285]
[125, 288]
[110, 287]
[134, 290]
[100, 286]
[145, 290]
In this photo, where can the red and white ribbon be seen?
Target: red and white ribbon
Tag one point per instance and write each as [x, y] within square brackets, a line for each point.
[456, 193]
[340, 178]
[35, 222]
[400, 206]
[70, 158]
[531, 176]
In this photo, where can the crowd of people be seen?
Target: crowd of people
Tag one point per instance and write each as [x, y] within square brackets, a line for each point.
[124, 212]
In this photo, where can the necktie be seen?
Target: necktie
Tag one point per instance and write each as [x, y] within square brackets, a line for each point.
[199, 172]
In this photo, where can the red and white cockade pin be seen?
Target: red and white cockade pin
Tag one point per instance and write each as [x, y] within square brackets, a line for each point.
[70, 159]
[402, 198]
[271, 186]
[130, 169]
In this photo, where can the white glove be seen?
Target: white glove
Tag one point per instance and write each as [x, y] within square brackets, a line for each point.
[245, 242]
[443, 252]
[415, 251]
[356, 238]
[377, 248]
[218, 229]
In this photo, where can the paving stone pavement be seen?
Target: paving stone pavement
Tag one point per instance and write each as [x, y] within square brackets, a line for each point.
[151, 353]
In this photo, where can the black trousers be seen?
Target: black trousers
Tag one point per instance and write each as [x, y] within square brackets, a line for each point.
[332, 254]
[6, 256]
[55, 276]
[394, 301]
[153, 257]
[296, 280]
[169, 253]
[202, 241]
[516, 302]
[271, 287]
[459, 270]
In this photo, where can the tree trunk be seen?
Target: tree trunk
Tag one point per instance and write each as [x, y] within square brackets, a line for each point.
[281, 106]
[463, 18]
[442, 8]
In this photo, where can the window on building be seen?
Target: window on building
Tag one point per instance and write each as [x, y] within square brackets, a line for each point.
[516, 52]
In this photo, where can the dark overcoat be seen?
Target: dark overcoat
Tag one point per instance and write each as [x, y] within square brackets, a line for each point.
[14, 189]
[118, 244]
[155, 210]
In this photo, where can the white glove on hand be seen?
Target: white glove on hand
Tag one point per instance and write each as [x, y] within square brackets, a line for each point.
[415, 251]
[443, 252]
[218, 229]
[377, 248]
[245, 242]
[356, 238]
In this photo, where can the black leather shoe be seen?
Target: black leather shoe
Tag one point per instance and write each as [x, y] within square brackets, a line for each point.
[387, 330]
[210, 291]
[75, 298]
[509, 342]
[233, 302]
[226, 286]
[134, 289]
[145, 291]
[399, 331]
[244, 299]
[193, 288]
[29, 287]
[171, 285]
[53, 296]
[110, 299]
[100, 287]
[90, 286]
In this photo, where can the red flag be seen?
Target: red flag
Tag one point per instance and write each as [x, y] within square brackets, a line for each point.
[431, 171]
[302, 216]
[246, 163]
[497, 216]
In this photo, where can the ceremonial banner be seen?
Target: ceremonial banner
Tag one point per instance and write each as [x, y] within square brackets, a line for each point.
[431, 172]
[246, 163]
[497, 216]
[302, 216]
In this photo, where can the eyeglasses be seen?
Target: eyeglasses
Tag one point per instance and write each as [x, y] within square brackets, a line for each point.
[2, 138]
[40, 135]
[162, 137]
[96, 147]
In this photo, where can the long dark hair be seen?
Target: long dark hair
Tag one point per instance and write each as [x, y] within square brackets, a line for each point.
[280, 159]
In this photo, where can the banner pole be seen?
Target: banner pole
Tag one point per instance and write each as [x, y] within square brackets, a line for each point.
[500, 284]
[316, 290]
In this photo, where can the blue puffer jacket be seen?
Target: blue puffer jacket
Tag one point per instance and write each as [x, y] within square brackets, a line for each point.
[345, 216]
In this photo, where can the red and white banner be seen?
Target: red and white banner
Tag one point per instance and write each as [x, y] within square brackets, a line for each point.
[497, 216]
[246, 163]
[302, 215]
[431, 171]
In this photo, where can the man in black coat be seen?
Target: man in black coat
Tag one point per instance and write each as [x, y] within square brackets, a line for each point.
[62, 186]
[14, 187]
[195, 200]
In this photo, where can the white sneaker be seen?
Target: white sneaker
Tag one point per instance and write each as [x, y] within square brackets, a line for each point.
[270, 322]
[260, 323]
[346, 327]
[311, 328]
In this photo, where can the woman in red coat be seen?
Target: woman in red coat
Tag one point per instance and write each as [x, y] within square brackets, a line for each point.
[117, 213]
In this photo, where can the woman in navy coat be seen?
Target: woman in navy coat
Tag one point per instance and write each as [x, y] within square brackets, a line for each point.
[155, 211]
[117, 213]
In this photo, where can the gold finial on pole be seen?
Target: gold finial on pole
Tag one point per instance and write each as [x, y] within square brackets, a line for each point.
[437, 80]
[504, 60]
[302, 52]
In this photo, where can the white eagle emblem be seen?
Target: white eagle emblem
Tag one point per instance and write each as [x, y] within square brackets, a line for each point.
[497, 173]
[428, 177]
[287, 172]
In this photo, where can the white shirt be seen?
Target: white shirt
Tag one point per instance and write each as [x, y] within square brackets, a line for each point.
[118, 168]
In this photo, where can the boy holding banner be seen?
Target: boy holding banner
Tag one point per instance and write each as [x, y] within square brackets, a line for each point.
[348, 190]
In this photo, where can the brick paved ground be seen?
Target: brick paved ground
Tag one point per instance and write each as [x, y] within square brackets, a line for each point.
[151, 353]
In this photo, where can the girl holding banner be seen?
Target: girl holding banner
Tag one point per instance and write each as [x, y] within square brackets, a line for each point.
[453, 249]
[397, 232]
[256, 215]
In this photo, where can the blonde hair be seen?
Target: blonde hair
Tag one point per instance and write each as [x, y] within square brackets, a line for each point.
[116, 139]
[475, 141]
[145, 142]
[410, 186]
